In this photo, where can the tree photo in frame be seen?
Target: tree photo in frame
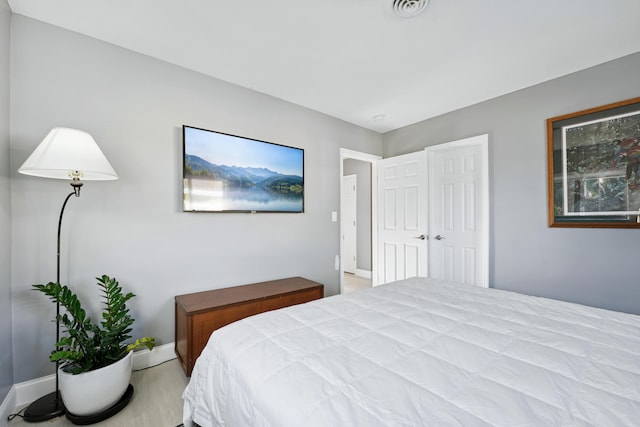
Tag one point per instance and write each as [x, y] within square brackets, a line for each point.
[594, 167]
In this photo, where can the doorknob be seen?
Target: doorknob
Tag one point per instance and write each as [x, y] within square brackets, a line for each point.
[439, 237]
[421, 237]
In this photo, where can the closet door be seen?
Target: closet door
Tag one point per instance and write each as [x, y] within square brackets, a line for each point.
[458, 214]
[402, 217]
[433, 213]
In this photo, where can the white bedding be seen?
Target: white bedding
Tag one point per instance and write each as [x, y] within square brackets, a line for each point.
[421, 352]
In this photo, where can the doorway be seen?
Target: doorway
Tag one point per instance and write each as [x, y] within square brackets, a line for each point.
[357, 273]
[463, 250]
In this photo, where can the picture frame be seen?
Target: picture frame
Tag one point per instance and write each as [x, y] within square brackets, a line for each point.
[594, 167]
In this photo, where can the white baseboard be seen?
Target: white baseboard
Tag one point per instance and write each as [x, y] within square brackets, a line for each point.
[7, 407]
[28, 391]
[363, 273]
[145, 359]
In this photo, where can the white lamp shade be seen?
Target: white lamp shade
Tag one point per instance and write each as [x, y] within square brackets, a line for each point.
[64, 151]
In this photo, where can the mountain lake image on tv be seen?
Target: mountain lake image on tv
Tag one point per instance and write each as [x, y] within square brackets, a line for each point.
[228, 173]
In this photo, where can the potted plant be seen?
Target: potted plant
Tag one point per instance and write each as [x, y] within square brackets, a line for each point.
[95, 363]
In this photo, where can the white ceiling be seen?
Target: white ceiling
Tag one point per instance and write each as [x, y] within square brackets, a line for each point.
[355, 59]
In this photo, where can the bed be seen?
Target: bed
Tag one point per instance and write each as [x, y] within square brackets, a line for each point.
[421, 352]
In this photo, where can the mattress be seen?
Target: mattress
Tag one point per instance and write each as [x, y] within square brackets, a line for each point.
[421, 352]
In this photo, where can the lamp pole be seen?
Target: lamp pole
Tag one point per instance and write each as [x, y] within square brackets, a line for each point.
[51, 405]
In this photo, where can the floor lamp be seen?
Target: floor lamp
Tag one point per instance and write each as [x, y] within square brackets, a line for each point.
[64, 154]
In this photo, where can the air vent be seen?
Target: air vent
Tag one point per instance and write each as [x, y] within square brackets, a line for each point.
[409, 8]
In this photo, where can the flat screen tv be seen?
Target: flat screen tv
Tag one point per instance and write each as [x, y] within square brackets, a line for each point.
[229, 173]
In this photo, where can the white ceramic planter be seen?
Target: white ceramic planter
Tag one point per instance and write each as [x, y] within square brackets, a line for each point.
[92, 392]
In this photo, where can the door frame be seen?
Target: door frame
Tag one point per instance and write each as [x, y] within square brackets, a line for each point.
[483, 142]
[344, 209]
[346, 153]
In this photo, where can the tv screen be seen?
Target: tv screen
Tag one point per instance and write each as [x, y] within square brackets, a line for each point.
[229, 173]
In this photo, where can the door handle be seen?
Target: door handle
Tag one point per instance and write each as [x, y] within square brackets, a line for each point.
[421, 237]
[439, 237]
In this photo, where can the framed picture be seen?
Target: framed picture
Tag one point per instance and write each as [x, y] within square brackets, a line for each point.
[594, 167]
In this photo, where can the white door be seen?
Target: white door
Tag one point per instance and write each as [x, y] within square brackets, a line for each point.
[458, 215]
[402, 217]
[349, 227]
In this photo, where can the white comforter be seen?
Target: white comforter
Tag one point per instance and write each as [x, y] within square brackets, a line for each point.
[421, 353]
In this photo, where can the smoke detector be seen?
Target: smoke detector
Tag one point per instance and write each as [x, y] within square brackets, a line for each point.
[409, 8]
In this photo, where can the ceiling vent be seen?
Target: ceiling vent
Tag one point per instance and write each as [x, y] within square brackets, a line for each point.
[409, 8]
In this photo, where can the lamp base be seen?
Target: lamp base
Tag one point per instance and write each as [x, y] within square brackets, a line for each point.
[84, 420]
[47, 407]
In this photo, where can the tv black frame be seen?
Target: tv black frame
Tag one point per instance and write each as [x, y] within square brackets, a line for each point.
[243, 139]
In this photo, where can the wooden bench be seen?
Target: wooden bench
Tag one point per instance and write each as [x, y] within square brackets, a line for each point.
[198, 314]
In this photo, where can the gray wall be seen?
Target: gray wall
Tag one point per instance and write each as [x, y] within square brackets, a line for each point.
[6, 362]
[134, 228]
[589, 266]
[362, 170]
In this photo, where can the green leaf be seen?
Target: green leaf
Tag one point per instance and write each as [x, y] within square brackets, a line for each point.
[89, 345]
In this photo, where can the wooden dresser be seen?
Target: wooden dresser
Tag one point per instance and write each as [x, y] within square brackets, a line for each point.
[201, 313]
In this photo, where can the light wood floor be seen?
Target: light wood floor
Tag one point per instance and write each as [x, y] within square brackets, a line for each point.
[354, 283]
[156, 402]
